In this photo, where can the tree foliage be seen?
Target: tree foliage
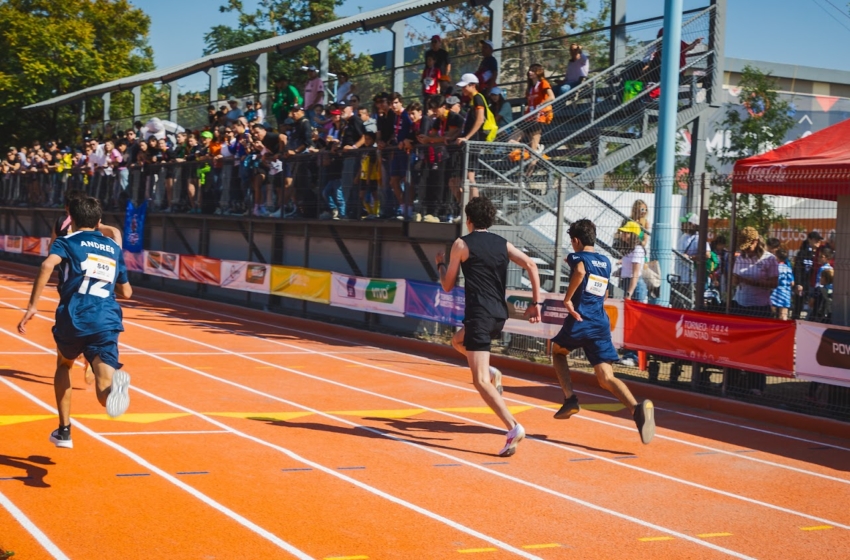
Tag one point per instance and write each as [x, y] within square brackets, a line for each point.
[272, 18]
[52, 47]
[760, 127]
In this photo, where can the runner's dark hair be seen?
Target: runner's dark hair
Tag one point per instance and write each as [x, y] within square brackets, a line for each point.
[85, 212]
[481, 212]
[584, 231]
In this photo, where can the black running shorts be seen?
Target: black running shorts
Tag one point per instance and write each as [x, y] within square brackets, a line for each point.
[479, 332]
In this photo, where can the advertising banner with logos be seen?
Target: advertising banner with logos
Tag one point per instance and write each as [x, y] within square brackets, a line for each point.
[14, 244]
[248, 276]
[376, 295]
[749, 343]
[205, 270]
[35, 246]
[162, 264]
[553, 314]
[823, 353]
[301, 283]
[427, 300]
[135, 262]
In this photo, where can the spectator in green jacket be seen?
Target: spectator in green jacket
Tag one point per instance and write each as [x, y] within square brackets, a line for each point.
[285, 98]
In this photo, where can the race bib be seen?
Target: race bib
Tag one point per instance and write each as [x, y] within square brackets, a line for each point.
[100, 268]
[597, 285]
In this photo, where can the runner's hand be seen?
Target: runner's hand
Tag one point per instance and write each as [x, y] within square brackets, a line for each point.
[533, 313]
[572, 310]
[31, 311]
[440, 258]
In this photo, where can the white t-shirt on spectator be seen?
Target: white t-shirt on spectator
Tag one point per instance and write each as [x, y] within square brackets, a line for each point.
[752, 268]
[342, 91]
[578, 69]
[638, 255]
[260, 116]
[688, 245]
[311, 92]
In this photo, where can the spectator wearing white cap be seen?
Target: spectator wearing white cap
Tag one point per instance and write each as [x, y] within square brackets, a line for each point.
[688, 248]
[314, 91]
[488, 69]
[473, 124]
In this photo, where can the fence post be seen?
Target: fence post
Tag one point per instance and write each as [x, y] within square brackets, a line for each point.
[467, 186]
[732, 245]
[699, 293]
[559, 237]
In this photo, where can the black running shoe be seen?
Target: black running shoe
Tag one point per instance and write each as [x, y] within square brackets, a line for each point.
[61, 437]
[569, 408]
[645, 421]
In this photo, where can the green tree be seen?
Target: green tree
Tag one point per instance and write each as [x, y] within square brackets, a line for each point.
[272, 18]
[760, 127]
[52, 47]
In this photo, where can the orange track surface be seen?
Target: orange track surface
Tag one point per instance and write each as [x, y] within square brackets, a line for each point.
[247, 439]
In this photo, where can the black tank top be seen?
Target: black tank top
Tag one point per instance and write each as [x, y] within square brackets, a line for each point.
[485, 273]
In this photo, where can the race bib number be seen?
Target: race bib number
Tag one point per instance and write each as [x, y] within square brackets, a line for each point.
[100, 268]
[596, 285]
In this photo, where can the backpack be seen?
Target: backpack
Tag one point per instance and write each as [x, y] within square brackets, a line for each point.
[489, 126]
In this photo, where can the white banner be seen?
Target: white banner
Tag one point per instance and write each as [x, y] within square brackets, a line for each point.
[553, 314]
[248, 276]
[14, 244]
[376, 295]
[823, 353]
[162, 264]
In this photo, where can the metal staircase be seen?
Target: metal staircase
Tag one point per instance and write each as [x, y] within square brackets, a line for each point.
[596, 127]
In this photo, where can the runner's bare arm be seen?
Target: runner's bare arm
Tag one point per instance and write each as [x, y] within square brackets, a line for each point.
[112, 232]
[124, 291]
[523, 260]
[40, 282]
[575, 281]
[448, 273]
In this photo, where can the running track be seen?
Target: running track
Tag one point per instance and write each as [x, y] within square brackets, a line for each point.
[248, 439]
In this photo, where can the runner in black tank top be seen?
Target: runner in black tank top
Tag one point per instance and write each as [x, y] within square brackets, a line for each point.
[483, 257]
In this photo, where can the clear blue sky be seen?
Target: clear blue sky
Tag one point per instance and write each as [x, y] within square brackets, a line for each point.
[803, 32]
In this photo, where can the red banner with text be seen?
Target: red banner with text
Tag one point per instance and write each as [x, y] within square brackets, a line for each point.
[760, 345]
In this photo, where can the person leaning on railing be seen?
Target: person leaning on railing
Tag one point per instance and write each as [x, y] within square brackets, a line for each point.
[578, 69]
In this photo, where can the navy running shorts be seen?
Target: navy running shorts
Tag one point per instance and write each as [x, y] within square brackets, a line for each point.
[103, 344]
[478, 333]
[597, 350]
[399, 163]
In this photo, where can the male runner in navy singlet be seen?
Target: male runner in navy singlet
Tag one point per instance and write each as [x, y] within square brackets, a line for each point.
[483, 257]
[88, 319]
[587, 327]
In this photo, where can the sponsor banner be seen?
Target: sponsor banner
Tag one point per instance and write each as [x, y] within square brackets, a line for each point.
[14, 243]
[135, 262]
[205, 270]
[134, 226]
[426, 300]
[754, 344]
[553, 314]
[162, 264]
[377, 295]
[823, 353]
[301, 283]
[31, 246]
[247, 276]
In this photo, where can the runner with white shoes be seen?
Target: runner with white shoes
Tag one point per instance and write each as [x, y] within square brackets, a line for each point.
[483, 257]
[88, 319]
[587, 327]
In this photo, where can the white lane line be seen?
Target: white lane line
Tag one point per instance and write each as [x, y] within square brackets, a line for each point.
[473, 421]
[274, 539]
[174, 433]
[508, 399]
[287, 452]
[376, 348]
[31, 528]
[215, 353]
[590, 505]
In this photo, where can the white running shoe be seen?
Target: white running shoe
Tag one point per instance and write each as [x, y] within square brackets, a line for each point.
[119, 395]
[496, 379]
[515, 436]
[62, 438]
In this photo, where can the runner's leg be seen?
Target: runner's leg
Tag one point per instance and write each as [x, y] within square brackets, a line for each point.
[479, 363]
[62, 388]
[605, 376]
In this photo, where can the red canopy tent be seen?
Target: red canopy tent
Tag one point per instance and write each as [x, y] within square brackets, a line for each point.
[817, 166]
